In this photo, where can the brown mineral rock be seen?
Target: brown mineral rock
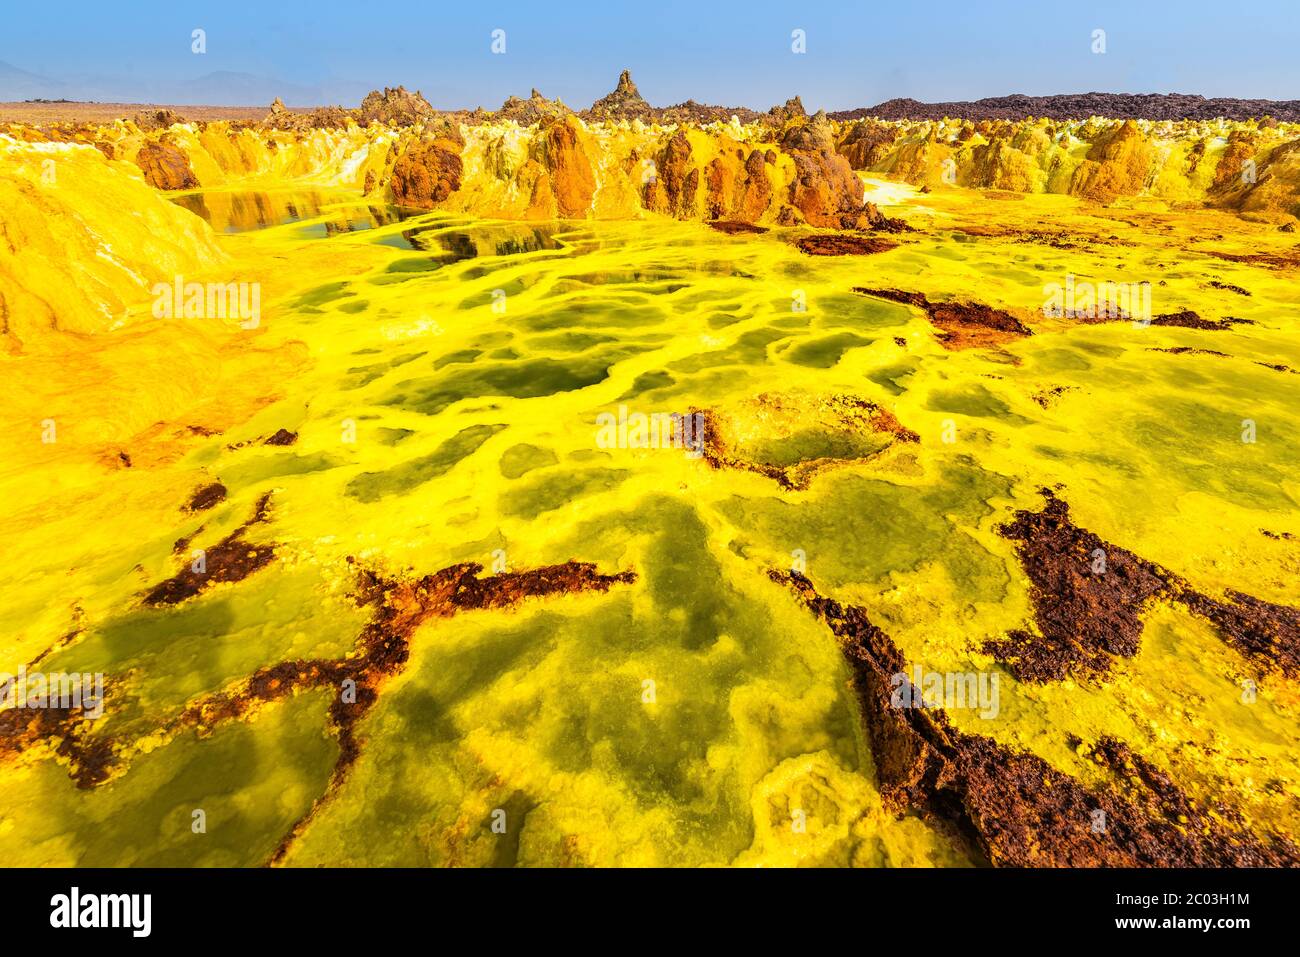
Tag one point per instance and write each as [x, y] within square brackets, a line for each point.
[961, 325]
[676, 181]
[149, 120]
[429, 169]
[825, 189]
[278, 115]
[754, 192]
[165, 166]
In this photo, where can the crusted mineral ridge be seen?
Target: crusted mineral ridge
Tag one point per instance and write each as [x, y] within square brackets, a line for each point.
[961, 325]
[1193, 351]
[1268, 633]
[1081, 106]
[532, 110]
[1187, 319]
[396, 106]
[90, 759]
[1013, 806]
[1089, 597]
[733, 227]
[850, 413]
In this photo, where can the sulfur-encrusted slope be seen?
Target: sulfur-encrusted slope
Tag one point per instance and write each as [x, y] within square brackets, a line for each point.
[82, 238]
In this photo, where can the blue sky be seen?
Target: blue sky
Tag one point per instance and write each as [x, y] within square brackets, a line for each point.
[858, 53]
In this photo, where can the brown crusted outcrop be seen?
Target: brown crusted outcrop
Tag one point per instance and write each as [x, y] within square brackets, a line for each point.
[626, 103]
[1187, 319]
[961, 325]
[165, 166]
[720, 177]
[623, 103]
[1230, 172]
[68, 731]
[753, 192]
[429, 169]
[737, 186]
[281, 117]
[733, 227]
[532, 110]
[1002, 166]
[384, 647]
[395, 106]
[867, 143]
[1089, 597]
[206, 497]
[825, 190]
[1012, 807]
[1261, 630]
[792, 109]
[674, 187]
[149, 120]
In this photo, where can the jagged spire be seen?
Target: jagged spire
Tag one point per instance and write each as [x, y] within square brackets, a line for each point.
[624, 102]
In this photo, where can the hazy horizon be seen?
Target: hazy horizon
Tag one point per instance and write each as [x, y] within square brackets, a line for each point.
[311, 54]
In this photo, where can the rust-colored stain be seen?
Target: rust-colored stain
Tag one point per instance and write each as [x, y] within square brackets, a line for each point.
[230, 560]
[206, 497]
[381, 651]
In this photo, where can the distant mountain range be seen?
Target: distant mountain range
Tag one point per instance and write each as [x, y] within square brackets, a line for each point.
[16, 84]
[222, 87]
